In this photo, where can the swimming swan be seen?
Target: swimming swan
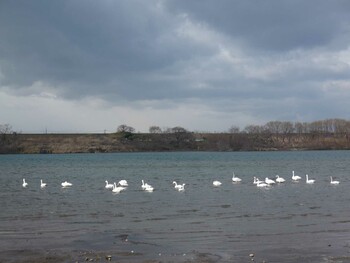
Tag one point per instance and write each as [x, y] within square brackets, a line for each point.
[108, 186]
[269, 181]
[257, 181]
[179, 187]
[295, 177]
[149, 188]
[334, 182]
[235, 179]
[280, 179]
[117, 189]
[261, 184]
[309, 181]
[25, 184]
[66, 184]
[123, 183]
[146, 187]
[42, 185]
[216, 183]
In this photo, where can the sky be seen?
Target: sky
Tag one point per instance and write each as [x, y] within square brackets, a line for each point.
[89, 66]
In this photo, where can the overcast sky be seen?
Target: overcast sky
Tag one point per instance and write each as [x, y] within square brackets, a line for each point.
[205, 65]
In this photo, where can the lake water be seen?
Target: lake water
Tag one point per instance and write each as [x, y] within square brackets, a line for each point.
[290, 222]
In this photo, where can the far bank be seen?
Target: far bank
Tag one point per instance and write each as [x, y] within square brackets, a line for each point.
[183, 141]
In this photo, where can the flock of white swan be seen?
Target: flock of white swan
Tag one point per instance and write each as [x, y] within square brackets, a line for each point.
[123, 184]
[269, 182]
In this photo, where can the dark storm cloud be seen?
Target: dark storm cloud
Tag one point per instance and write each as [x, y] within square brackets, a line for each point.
[249, 56]
[100, 47]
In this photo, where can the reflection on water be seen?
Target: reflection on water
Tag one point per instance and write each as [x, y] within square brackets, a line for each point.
[292, 221]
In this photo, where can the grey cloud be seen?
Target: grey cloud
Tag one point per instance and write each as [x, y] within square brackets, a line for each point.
[85, 44]
[103, 43]
[273, 25]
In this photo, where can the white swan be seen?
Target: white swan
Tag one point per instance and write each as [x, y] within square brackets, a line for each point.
[108, 186]
[66, 184]
[149, 188]
[216, 183]
[235, 179]
[257, 181]
[295, 177]
[261, 184]
[143, 185]
[146, 187]
[117, 189]
[269, 181]
[334, 182]
[25, 184]
[280, 179]
[309, 181]
[179, 187]
[123, 183]
[42, 185]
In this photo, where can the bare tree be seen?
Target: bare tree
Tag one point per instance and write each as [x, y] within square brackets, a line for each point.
[181, 135]
[234, 129]
[155, 129]
[286, 127]
[300, 127]
[8, 139]
[125, 128]
[5, 129]
[341, 126]
[273, 127]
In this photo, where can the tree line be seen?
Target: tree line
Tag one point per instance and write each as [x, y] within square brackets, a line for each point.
[327, 126]
[153, 129]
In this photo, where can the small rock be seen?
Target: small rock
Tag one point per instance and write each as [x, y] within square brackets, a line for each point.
[109, 257]
[251, 255]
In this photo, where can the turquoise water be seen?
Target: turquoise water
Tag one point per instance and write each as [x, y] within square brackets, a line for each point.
[295, 222]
